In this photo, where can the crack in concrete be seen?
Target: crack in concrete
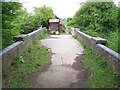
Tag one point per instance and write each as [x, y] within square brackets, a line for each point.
[66, 69]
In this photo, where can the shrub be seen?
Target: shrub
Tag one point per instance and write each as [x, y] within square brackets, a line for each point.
[11, 20]
[98, 19]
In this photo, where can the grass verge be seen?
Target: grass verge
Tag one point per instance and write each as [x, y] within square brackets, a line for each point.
[16, 75]
[102, 75]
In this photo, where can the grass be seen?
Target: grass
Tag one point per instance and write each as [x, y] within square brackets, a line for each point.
[111, 37]
[112, 41]
[16, 75]
[102, 75]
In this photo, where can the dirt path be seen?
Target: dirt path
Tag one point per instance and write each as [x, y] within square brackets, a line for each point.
[66, 68]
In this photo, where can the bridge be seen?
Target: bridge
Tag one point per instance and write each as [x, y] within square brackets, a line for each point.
[66, 68]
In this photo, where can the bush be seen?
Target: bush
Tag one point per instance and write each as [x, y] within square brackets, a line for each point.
[11, 20]
[97, 16]
[98, 19]
[62, 29]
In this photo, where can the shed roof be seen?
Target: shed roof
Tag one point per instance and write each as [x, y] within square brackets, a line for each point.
[54, 20]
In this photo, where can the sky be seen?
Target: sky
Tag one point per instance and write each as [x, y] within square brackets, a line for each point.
[61, 8]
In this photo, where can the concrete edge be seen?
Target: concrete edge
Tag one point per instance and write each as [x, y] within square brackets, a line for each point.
[10, 47]
[83, 34]
[112, 57]
[9, 53]
[110, 51]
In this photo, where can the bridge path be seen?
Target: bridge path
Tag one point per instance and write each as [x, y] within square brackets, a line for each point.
[66, 69]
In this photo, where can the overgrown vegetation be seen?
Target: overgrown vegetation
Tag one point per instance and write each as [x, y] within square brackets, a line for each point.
[62, 29]
[15, 76]
[102, 75]
[16, 20]
[98, 19]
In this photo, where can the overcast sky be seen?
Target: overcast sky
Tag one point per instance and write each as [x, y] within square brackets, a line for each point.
[62, 8]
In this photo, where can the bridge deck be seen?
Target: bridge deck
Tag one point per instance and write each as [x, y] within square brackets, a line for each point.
[65, 69]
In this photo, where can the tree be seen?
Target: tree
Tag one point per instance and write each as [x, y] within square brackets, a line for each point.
[40, 17]
[11, 20]
[97, 17]
[16, 20]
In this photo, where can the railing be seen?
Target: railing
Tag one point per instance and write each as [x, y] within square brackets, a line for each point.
[112, 57]
[22, 42]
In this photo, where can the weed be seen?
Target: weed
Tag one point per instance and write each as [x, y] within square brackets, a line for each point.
[102, 75]
[16, 75]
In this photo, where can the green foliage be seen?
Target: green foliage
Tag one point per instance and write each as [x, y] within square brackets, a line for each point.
[64, 24]
[112, 41]
[71, 23]
[62, 29]
[16, 20]
[97, 16]
[11, 19]
[98, 19]
[63, 21]
[17, 60]
[102, 75]
[16, 75]
[119, 30]
[40, 17]
[69, 19]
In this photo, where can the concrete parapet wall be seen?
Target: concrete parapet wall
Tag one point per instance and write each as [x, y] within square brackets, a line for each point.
[36, 33]
[111, 57]
[9, 53]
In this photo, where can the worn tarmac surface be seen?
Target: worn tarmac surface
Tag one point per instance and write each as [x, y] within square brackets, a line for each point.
[66, 69]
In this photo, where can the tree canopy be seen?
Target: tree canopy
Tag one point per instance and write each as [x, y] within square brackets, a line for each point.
[16, 20]
[98, 19]
[97, 16]
[40, 17]
[11, 21]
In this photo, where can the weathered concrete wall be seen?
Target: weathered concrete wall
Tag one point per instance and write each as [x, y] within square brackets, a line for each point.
[86, 38]
[36, 33]
[112, 57]
[8, 54]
